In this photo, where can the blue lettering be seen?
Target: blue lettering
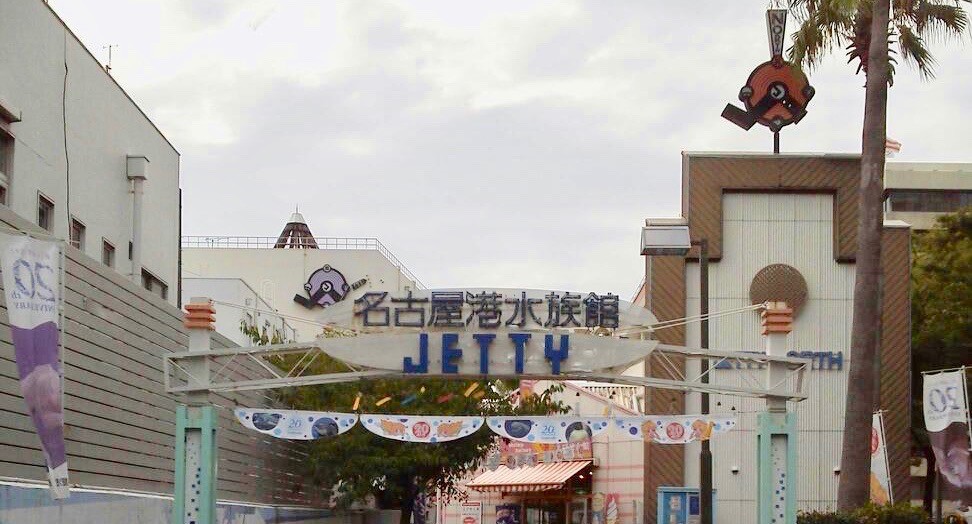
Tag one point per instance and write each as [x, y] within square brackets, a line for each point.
[484, 340]
[519, 342]
[836, 359]
[450, 352]
[423, 366]
[556, 356]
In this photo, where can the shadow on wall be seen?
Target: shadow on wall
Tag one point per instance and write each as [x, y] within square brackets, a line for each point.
[26, 504]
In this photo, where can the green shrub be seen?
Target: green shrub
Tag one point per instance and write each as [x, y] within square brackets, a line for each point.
[821, 517]
[901, 513]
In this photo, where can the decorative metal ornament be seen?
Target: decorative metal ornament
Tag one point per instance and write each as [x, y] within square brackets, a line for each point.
[777, 92]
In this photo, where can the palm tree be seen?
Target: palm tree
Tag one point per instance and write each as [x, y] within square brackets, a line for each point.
[913, 24]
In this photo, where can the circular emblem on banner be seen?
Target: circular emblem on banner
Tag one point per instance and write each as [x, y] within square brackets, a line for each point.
[675, 430]
[324, 427]
[421, 429]
[518, 428]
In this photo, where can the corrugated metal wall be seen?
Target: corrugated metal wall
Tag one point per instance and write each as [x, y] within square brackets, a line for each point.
[762, 229]
[119, 421]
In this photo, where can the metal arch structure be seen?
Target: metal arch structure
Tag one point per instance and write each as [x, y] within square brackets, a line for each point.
[225, 371]
[596, 357]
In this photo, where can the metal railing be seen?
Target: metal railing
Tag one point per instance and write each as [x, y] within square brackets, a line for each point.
[342, 243]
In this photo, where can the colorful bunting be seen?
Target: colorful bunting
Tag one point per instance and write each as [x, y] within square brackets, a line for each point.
[296, 425]
[674, 429]
[412, 428]
[383, 401]
[472, 387]
[548, 430]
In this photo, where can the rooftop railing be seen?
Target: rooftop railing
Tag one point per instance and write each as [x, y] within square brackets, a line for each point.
[342, 243]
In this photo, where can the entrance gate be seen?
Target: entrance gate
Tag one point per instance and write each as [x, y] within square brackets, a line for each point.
[563, 351]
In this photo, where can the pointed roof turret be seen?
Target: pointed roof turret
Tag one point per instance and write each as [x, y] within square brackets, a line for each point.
[296, 234]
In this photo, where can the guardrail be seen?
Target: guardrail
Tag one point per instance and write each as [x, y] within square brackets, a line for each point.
[343, 243]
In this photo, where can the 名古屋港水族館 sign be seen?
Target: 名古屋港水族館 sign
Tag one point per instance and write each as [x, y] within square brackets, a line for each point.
[487, 331]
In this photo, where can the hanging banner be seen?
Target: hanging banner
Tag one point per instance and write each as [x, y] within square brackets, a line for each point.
[548, 430]
[674, 429]
[946, 418]
[880, 478]
[515, 453]
[296, 425]
[431, 429]
[31, 280]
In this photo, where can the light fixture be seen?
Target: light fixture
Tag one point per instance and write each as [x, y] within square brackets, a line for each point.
[665, 237]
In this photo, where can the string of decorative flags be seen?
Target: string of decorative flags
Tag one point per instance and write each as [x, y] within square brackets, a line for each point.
[310, 425]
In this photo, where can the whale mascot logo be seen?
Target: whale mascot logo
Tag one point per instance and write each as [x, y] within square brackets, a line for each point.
[326, 286]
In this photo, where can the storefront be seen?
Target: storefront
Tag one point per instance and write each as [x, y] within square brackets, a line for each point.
[556, 493]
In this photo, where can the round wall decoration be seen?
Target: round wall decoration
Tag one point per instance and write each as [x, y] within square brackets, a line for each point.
[779, 283]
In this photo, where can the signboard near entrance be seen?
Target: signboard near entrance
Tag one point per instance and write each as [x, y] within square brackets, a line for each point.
[488, 332]
[471, 512]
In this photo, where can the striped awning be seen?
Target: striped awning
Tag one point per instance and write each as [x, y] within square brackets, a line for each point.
[542, 477]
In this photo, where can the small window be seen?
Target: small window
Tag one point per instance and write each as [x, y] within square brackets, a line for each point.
[6, 162]
[107, 253]
[153, 284]
[45, 212]
[77, 234]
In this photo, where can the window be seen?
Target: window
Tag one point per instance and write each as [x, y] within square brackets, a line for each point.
[153, 284]
[6, 160]
[45, 212]
[107, 253]
[77, 233]
[929, 200]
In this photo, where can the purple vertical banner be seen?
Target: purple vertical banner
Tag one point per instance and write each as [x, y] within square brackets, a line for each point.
[31, 272]
[946, 411]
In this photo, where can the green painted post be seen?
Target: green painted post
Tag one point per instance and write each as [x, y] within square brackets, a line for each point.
[776, 441]
[194, 500]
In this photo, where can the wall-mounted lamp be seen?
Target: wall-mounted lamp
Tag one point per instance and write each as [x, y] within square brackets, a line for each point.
[734, 470]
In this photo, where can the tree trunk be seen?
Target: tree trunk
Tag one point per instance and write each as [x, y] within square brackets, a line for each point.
[862, 385]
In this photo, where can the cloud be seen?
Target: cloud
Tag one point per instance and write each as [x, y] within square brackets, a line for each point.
[509, 143]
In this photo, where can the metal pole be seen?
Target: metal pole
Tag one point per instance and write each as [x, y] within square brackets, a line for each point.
[938, 495]
[776, 143]
[705, 458]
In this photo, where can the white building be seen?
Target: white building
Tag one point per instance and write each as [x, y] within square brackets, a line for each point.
[615, 467]
[782, 228]
[78, 157]
[920, 192]
[289, 274]
[255, 316]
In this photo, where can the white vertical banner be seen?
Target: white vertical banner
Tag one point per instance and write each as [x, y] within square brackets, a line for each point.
[881, 492]
[31, 270]
[945, 406]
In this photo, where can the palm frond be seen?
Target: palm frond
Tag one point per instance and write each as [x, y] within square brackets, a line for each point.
[938, 21]
[913, 51]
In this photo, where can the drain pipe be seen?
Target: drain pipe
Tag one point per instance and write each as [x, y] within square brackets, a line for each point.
[136, 168]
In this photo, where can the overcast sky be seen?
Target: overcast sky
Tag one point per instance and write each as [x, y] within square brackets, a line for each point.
[494, 143]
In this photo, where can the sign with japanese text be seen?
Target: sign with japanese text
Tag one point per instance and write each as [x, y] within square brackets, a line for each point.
[471, 512]
[498, 332]
[514, 453]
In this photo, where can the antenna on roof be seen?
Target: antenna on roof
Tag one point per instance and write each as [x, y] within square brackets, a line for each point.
[108, 47]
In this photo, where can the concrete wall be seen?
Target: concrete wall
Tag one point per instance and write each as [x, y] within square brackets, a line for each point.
[119, 422]
[101, 126]
[279, 274]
